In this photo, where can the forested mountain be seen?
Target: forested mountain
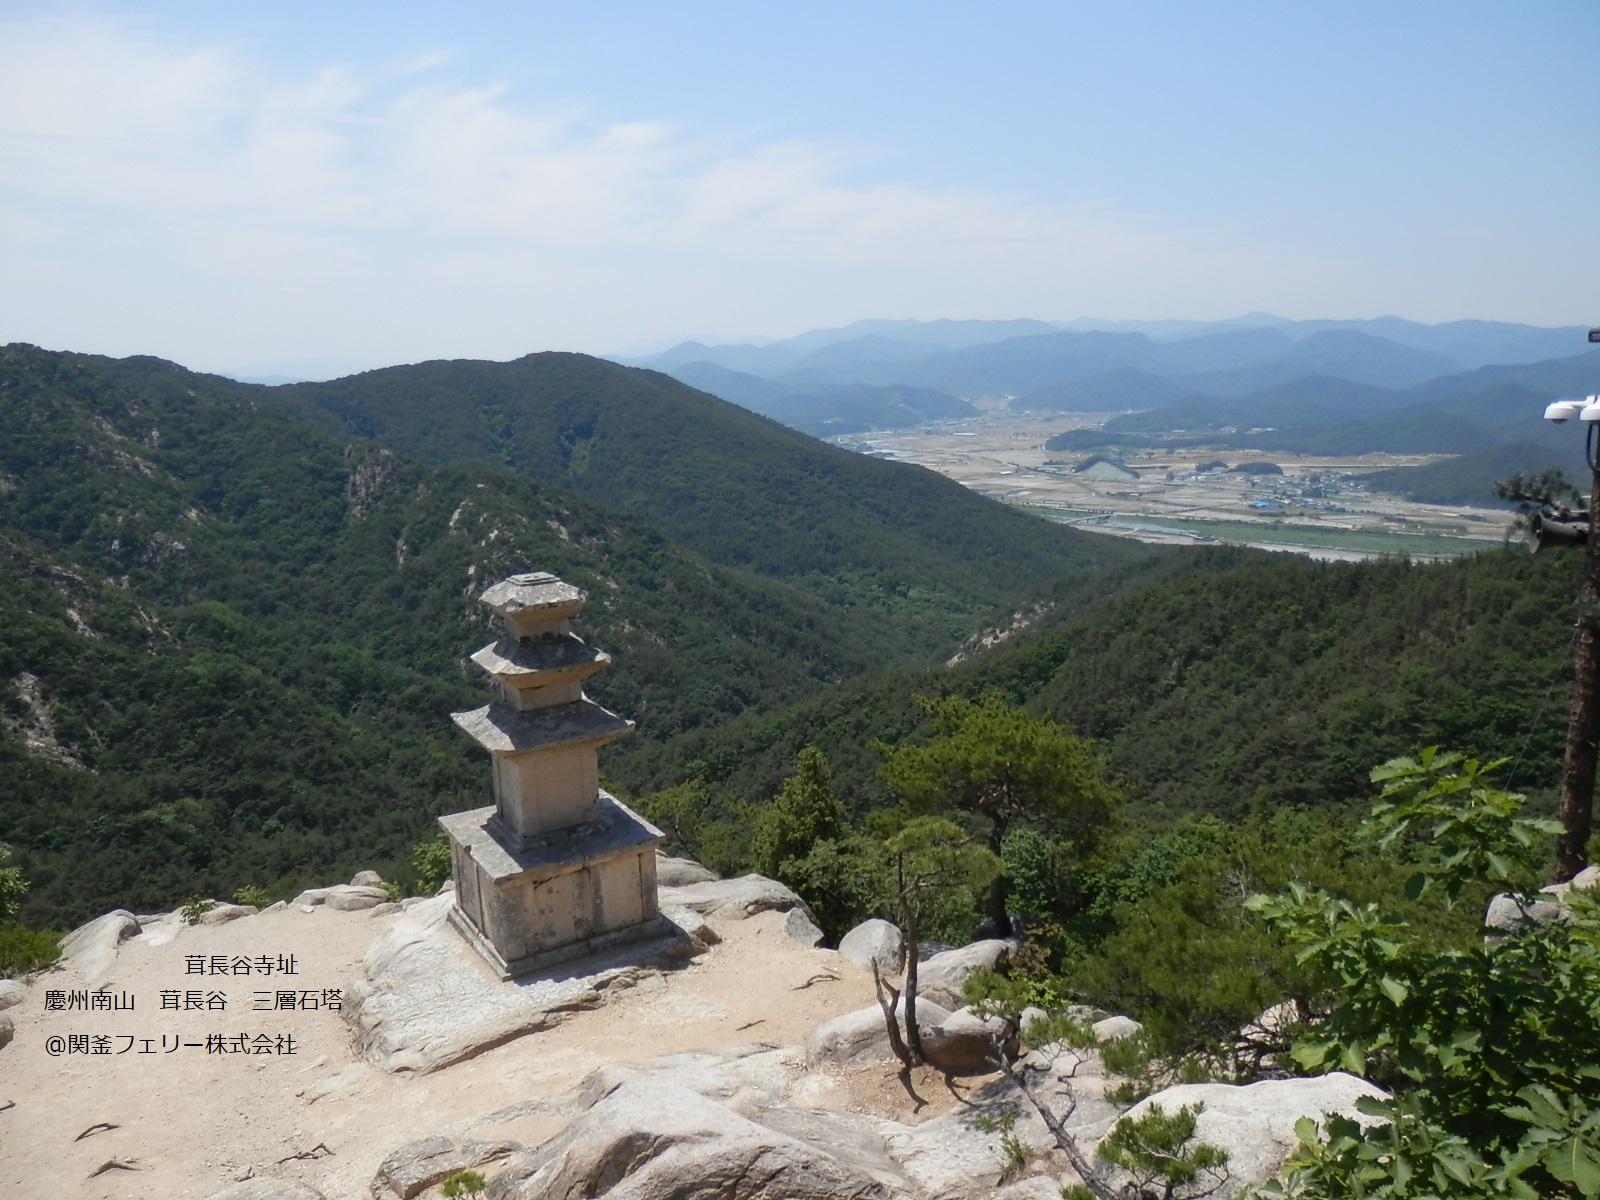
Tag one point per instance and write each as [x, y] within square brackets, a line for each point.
[230, 641]
[1234, 680]
[735, 487]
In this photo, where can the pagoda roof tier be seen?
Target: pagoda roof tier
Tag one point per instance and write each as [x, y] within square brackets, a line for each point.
[556, 658]
[501, 729]
[534, 594]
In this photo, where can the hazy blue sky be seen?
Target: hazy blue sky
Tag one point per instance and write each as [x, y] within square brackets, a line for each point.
[311, 188]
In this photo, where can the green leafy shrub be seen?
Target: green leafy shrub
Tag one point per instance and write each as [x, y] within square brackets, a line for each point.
[252, 895]
[194, 908]
[1490, 1050]
[23, 949]
[431, 861]
[463, 1183]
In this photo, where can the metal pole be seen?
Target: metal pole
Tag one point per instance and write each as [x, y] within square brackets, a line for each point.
[1583, 724]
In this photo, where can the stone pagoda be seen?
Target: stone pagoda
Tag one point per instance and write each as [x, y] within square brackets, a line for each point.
[557, 869]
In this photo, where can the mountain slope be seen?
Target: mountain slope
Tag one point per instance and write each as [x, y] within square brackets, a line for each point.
[737, 488]
[1231, 680]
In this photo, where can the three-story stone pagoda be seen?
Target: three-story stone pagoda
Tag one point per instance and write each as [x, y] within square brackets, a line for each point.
[557, 869]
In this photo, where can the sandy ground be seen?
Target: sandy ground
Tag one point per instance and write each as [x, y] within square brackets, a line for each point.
[187, 1121]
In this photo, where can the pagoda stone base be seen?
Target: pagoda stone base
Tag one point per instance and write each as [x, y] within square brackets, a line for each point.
[531, 904]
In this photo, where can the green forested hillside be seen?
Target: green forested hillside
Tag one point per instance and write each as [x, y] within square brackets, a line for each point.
[1249, 680]
[246, 635]
[735, 487]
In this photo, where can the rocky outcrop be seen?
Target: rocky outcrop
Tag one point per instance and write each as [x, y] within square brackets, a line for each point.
[732, 899]
[649, 1140]
[93, 947]
[875, 941]
[681, 872]
[943, 976]
[343, 897]
[1254, 1123]
[221, 914]
[862, 1037]
[419, 1165]
[424, 1004]
[268, 1189]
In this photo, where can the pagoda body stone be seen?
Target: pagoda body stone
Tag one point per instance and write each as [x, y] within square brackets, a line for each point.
[557, 869]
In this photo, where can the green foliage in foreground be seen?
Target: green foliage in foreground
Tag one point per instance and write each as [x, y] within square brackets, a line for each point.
[12, 885]
[430, 860]
[1490, 1051]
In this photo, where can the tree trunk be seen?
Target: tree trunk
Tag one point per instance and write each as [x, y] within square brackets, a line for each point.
[999, 890]
[1583, 724]
[913, 1033]
[896, 1042]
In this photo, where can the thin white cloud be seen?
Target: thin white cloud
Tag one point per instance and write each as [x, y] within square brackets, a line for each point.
[402, 210]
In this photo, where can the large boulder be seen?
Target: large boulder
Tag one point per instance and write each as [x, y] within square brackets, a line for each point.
[649, 1140]
[1254, 1123]
[875, 941]
[680, 872]
[366, 879]
[93, 947]
[861, 1037]
[267, 1189]
[12, 993]
[8, 1030]
[967, 1044]
[732, 899]
[1114, 1029]
[943, 976]
[343, 897]
[419, 1165]
[1506, 914]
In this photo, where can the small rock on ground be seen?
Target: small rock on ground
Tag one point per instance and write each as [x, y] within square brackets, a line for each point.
[12, 993]
[798, 928]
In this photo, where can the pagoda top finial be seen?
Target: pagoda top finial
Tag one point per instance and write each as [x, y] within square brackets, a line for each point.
[534, 603]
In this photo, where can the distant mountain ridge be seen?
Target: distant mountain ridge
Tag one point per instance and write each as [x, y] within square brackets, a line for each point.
[1043, 366]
